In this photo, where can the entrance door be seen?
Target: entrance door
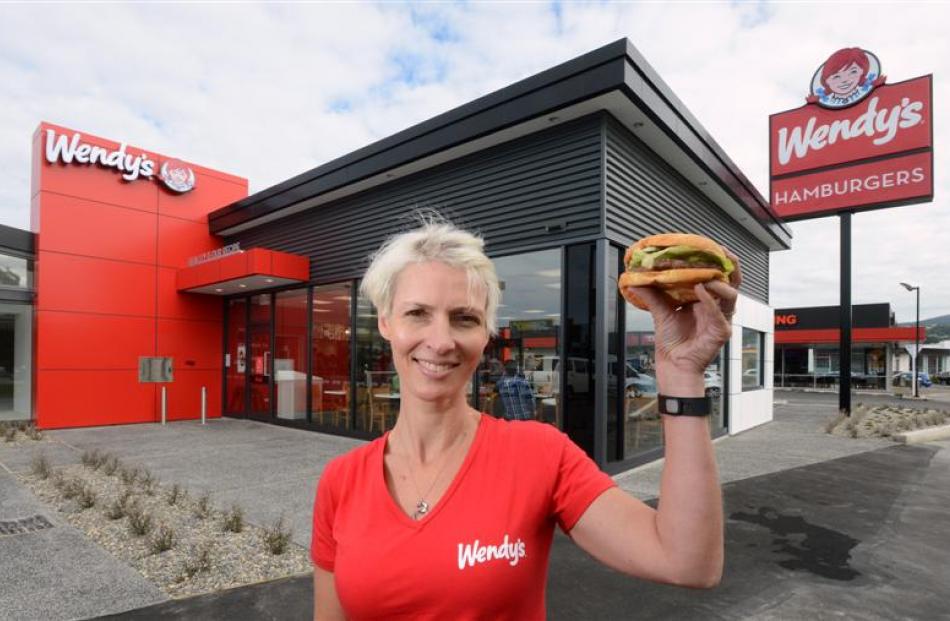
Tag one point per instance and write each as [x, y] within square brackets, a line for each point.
[260, 361]
[235, 389]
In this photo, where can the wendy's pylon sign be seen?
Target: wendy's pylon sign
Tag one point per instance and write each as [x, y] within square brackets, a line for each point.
[176, 176]
[857, 144]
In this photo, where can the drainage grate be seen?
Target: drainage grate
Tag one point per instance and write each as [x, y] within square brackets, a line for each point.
[24, 525]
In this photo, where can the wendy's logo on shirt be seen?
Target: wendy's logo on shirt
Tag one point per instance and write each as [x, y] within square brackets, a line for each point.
[472, 553]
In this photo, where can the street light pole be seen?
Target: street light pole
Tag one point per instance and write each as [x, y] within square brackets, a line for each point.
[916, 338]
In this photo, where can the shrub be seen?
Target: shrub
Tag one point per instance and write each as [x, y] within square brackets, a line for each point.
[128, 475]
[9, 434]
[174, 494]
[233, 521]
[70, 488]
[140, 520]
[41, 466]
[110, 465]
[199, 561]
[277, 536]
[88, 458]
[163, 539]
[116, 510]
[203, 506]
[85, 496]
[834, 422]
[147, 481]
[33, 433]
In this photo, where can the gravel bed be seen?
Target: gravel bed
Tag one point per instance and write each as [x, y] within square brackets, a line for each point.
[884, 421]
[234, 559]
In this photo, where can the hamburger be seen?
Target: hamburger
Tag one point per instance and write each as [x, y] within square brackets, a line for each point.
[673, 263]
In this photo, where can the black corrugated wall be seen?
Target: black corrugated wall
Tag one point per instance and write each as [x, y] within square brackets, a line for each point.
[509, 194]
[644, 196]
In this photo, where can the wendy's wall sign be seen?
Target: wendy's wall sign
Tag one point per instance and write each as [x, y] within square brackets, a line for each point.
[174, 174]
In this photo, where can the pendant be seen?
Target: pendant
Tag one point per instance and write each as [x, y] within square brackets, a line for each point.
[421, 509]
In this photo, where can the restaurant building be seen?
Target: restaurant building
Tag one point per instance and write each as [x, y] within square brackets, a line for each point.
[159, 277]
[807, 353]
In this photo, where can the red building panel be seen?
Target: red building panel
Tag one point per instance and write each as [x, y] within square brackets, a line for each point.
[194, 205]
[183, 396]
[68, 340]
[858, 335]
[91, 181]
[175, 305]
[77, 226]
[74, 283]
[178, 240]
[109, 251]
[86, 398]
[193, 344]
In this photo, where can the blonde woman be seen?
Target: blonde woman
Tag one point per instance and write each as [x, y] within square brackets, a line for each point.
[450, 515]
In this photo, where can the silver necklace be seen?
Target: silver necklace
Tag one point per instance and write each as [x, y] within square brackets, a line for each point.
[422, 506]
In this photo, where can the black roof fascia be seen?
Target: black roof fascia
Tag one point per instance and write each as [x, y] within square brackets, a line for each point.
[600, 71]
[17, 240]
[643, 85]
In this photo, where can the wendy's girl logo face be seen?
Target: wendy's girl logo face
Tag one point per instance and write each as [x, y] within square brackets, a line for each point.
[177, 176]
[848, 76]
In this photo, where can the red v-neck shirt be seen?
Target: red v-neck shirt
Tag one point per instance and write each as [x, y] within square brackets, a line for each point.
[480, 553]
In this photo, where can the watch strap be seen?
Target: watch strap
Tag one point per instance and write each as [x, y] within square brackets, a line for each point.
[684, 406]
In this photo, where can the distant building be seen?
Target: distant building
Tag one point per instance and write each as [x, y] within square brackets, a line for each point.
[807, 353]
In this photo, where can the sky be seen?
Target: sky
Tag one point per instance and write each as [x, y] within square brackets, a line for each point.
[266, 91]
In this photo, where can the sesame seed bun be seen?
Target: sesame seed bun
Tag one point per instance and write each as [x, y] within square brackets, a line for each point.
[677, 283]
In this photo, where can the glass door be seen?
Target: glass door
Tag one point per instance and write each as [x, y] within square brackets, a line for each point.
[235, 361]
[259, 358]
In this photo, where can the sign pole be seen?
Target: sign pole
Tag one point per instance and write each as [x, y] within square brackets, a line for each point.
[844, 346]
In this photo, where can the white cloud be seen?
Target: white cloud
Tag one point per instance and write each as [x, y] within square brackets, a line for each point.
[270, 90]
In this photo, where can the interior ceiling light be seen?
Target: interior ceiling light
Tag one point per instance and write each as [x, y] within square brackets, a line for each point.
[637, 124]
[242, 285]
[553, 285]
[702, 183]
[549, 273]
[219, 290]
[534, 311]
[268, 280]
[552, 119]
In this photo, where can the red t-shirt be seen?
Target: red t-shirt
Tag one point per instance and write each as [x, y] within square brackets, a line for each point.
[480, 553]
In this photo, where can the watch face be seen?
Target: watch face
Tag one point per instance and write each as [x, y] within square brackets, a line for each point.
[673, 406]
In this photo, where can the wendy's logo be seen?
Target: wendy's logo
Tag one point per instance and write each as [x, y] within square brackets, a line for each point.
[177, 176]
[848, 76]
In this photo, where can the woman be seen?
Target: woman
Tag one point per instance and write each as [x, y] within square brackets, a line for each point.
[450, 515]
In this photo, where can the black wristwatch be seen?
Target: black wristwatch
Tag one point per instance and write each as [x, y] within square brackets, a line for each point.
[684, 406]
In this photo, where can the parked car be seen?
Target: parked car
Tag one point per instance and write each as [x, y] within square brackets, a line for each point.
[905, 378]
[713, 383]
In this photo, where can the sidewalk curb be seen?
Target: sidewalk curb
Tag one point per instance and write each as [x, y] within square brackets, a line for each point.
[923, 435]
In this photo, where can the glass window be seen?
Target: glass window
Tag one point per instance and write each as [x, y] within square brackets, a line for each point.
[16, 361]
[518, 375]
[377, 386]
[752, 346]
[16, 272]
[330, 351]
[290, 354]
[259, 356]
[643, 429]
[236, 360]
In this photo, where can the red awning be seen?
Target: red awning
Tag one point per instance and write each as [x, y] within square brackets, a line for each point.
[858, 335]
[250, 270]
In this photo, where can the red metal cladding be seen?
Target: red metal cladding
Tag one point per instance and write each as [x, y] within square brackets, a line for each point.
[858, 335]
[253, 262]
[110, 241]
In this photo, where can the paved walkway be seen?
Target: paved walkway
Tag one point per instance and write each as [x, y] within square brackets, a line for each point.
[800, 503]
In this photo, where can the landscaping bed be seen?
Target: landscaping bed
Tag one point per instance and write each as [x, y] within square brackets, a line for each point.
[184, 545]
[884, 421]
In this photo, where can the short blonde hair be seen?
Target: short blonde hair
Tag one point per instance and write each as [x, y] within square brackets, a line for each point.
[436, 240]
